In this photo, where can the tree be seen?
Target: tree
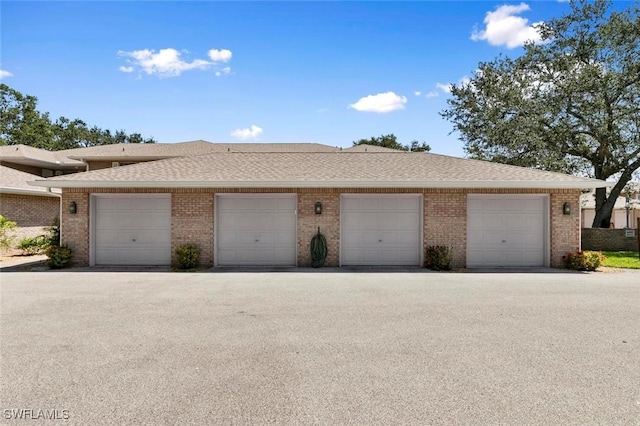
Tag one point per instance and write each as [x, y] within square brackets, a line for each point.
[391, 141]
[569, 104]
[416, 146]
[22, 123]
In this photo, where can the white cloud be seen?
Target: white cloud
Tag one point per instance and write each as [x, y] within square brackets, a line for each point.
[446, 88]
[5, 74]
[225, 71]
[417, 93]
[249, 133]
[380, 103]
[126, 69]
[432, 94]
[504, 27]
[165, 63]
[222, 55]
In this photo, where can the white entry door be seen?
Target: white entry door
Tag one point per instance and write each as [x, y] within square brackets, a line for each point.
[507, 230]
[256, 229]
[381, 229]
[132, 229]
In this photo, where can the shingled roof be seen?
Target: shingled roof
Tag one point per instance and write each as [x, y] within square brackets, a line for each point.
[395, 169]
[15, 182]
[144, 150]
[24, 154]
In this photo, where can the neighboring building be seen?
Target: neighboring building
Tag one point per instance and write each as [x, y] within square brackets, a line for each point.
[251, 205]
[25, 204]
[619, 213]
[29, 208]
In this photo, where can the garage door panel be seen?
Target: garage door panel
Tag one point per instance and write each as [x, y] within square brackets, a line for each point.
[381, 230]
[362, 221]
[525, 239]
[254, 230]
[533, 206]
[401, 238]
[495, 221]
[132, 230]
[148, 239]
[401, 220]
[506, 231]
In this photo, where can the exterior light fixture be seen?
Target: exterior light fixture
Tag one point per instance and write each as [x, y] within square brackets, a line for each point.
[566, 209]
[73, 207]
[318, 207]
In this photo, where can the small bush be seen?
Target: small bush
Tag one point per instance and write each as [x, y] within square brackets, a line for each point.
[583, 260]
[188, 256]
[35, 245]
[438, 258]
[59, 257]
[6, 239]
[54, 232]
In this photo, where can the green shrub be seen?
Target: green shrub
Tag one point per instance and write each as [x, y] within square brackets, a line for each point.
[6, 239]
[583, 260]
[59, 257]
[319, 250]
[438, 258]
[35, 245]
[54, 232]
[188, 256]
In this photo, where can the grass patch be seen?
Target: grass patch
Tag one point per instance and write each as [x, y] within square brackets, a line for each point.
[621, 259]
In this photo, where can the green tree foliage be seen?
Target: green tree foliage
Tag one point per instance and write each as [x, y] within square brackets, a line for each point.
[22, 123]
[391, 141]
[6, 239]
[569, 104]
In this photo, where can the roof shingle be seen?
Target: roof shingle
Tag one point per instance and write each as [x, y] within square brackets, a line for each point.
[343, 169]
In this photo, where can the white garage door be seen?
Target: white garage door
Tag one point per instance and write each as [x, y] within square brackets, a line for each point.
[381, 229]
[256, 229]
[132, 229]
[506, 230]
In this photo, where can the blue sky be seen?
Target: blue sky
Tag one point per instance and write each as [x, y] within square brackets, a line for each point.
[325, 72]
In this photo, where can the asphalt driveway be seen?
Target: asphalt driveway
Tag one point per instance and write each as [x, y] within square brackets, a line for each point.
[320, 348]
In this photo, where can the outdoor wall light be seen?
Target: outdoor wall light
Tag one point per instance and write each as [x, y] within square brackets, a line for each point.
[566, 209]
[318, 207]
[73, 207]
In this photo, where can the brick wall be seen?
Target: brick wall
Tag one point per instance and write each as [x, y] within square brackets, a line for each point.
[565, 229]
[74, 228]
[29, 210]
[608, 240]
[445, 223]
[444, 218]
[192, 223]
[328, 221]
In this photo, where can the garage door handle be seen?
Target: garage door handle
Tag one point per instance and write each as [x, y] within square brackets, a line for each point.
[133, 239]
[504, 241]
[257, 240]
[379, 241]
